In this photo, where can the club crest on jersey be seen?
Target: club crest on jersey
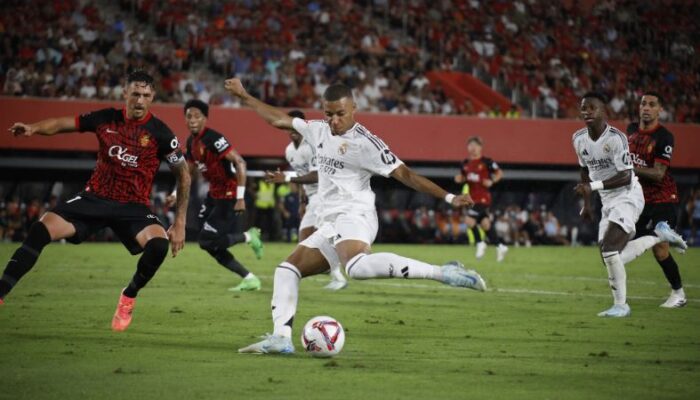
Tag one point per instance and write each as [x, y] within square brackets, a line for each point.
[144, 140]
[343, 148]
[606, 148]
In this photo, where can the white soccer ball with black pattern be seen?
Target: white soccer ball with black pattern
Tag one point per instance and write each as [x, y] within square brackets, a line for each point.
[323, 336]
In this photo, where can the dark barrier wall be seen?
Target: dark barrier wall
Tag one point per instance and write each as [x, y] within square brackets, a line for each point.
[412, 138]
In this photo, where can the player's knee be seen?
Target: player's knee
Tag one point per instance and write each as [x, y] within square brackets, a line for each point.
[37, 237]
[358, 267]
[155, 251]
[207, 241]
[661, 251]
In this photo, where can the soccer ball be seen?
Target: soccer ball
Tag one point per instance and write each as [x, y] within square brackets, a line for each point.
[323, 336]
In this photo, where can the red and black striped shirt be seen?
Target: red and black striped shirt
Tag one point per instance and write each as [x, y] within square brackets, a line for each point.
[129, 153]
[208, 150]
[475, 173]
[647, 148]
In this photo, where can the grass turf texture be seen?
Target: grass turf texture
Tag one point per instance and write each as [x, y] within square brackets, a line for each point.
[534, 335]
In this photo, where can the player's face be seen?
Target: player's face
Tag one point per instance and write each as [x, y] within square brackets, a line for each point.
[294, 136]
[139, 96]
[474, 150]
[340, 114]
[195, 119]
[649, 109]
[592, 111]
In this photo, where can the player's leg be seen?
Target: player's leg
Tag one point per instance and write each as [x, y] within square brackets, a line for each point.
[487, 226]
[212, 238]
[214, 210]
[50, 227]
[140, 232]
[667, 213]
[473, 218]
[615, 237]
[354, 233]
[307, 226]
[306, 260]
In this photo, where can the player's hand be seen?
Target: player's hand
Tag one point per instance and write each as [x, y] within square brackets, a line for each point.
[583, 189]
[462, 200]
[20, 129]
[239, 208]
[459, 178]
[487, 183]
[170, 200]
[176, 235]
[274, 176]
[235, 87]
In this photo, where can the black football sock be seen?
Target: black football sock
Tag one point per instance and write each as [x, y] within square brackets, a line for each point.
[153, 255]
[228, 261]
[231, 239]
[477, 234]
[673, 275]
[493, 237]
[25, 257]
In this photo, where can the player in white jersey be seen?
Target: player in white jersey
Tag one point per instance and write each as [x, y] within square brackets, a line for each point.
[606, 167]
[347, 155]
[301, 156]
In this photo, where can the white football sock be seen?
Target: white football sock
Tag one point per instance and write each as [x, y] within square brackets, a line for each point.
[285, 294]
[637, 247]
[389, 265]
[336, 273]
[617, 276]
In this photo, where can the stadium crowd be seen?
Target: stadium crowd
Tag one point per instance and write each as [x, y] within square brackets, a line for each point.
[542, 55]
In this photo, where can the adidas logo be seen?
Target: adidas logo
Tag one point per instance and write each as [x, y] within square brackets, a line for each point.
[584, 152]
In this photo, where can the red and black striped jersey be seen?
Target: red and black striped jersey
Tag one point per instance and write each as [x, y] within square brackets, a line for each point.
[475, 172]
[208, 150]
[647, 148]
[129, 153]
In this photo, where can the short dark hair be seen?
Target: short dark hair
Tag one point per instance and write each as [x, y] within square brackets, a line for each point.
[198, 104]
[476, 139]
[596, 95]
[655, 94]
[296, 114]
[140, 76]
[336, 92]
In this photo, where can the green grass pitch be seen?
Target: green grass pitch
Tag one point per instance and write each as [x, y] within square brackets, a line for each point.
[534, 335]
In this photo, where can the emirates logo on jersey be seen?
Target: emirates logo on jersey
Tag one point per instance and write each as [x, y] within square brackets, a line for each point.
[144, 140]
[121, 154]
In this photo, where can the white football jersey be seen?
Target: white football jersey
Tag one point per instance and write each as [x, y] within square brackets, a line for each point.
[345, 165]
[604, 158]
[303, 161]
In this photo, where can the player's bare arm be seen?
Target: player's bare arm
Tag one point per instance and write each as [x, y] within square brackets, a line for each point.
[274, 116]
[176, 233]
[171, 199]
[279, 177]
[654, 174]
[241, 172]
[46, 127]
[422, 184]
[495, 178]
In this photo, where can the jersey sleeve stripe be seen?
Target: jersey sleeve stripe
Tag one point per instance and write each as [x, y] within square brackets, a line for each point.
[373, 141]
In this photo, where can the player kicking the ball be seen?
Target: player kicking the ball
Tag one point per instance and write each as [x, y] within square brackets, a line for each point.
[347, 156]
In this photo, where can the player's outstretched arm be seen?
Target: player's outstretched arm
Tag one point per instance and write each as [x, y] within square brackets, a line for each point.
[422, 184]
[280, 177]
[46, 127]
[272, 115]
[176, 233]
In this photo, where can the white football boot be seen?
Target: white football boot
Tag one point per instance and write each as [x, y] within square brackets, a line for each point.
[272, 344]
